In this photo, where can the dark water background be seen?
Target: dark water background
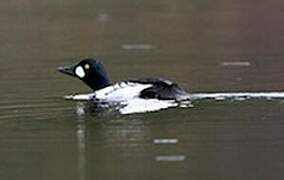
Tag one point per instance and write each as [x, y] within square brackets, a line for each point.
[207, 46]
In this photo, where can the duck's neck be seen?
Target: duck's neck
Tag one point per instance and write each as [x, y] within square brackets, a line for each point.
[98, 79]
[99, 83]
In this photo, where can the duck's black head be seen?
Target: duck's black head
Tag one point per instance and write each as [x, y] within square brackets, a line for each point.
[90, 71]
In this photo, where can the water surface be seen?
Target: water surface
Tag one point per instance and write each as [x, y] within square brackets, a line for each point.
[206, 46]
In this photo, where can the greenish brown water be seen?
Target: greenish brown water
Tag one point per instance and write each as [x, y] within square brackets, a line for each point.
[42, 136]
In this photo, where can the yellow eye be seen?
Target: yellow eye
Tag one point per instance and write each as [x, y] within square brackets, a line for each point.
[87, 66]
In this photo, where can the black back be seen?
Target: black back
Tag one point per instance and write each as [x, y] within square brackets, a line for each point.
[161, 89]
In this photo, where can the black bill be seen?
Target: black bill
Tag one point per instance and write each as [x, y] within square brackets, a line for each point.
[69, 70]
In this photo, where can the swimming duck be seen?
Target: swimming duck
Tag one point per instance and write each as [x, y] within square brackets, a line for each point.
[94, 75]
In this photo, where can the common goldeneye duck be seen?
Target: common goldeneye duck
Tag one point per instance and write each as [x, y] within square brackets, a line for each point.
[151, 93]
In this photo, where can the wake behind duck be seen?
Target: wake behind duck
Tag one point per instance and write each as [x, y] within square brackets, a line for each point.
[143, 95]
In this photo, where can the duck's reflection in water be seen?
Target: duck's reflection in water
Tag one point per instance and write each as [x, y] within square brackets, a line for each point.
[81, 140]
[88, 108]
[84, 111]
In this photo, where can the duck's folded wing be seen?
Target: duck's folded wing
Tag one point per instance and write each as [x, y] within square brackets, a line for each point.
[162, 89]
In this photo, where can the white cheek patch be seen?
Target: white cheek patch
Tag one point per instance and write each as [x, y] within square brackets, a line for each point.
[79, 71]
